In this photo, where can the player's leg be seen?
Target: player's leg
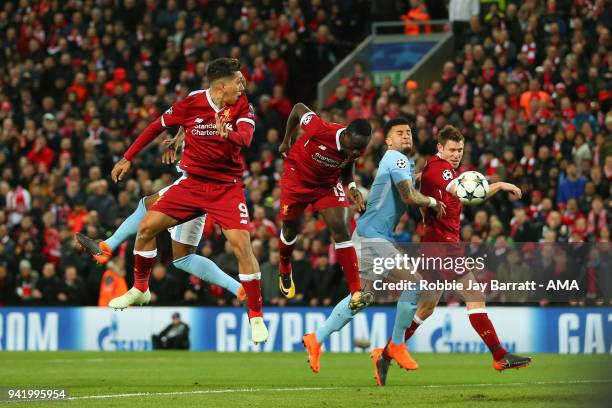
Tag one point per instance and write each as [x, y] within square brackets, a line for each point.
[129, 227]
[479, 319]
[103, 250]
[288, 237]
[396, 348]
[145, 255]
[293, 201]
[180, 202]
[250, 277]
[185, 239]
[502, 359]
[339, 317]
[337, 220]
[425, 308]
[226, 204]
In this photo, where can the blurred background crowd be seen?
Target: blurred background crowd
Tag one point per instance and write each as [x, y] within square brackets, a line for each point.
[529, 85]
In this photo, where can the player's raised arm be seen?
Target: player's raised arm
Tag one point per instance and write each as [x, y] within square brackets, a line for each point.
[507, 187]
[172, 117]
[293, 124]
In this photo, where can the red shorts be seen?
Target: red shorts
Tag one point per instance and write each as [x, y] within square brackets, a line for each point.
[443, 253]
[190, 197]
[296, 196]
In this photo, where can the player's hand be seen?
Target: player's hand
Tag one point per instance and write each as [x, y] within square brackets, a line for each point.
[356, 198]
[417, 177]
[120, 169]
[440, 209]
[283, 149]
[221, 126]
[171, 147]
[513, 190]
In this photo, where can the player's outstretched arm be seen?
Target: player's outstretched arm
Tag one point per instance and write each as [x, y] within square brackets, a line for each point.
[293, 125]
[410, 195]
[154, 129]
[513, 190]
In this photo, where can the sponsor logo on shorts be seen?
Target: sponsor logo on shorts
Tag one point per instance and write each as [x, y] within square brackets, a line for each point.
[285, 209]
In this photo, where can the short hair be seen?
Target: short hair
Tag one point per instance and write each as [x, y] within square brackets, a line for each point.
[394, 122]
[449, 132]
[360, 132]
[222, 68]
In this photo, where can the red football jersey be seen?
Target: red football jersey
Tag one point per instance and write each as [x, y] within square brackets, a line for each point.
[437, 175]
[206, 154]
[317, 156]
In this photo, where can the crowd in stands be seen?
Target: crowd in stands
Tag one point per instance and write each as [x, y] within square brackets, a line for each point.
[529, 86]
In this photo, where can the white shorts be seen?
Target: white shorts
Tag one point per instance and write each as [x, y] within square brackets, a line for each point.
[368, 249]
[190, 232]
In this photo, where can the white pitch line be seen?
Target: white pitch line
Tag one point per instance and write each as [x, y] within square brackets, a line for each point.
[567, 382]
[253, 390]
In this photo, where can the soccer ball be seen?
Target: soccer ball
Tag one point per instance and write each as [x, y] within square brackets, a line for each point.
[472, 188]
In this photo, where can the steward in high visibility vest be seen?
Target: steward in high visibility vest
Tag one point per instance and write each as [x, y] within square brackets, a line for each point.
[418, 12]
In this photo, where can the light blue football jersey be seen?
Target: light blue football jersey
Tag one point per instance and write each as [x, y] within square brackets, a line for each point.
[385, 205]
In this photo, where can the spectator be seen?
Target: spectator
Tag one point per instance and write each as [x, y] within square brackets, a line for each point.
[570, 186]
[269, 279]
[459, 13]
[7, 287]
[533, 95]
[358, 110]
[163, 288]
[174, 337]
[26, 282]
[112, 283]
[416, 14]
[103, 203]
[72, 289]
[47, 287]
[119, 84]
[278, 68]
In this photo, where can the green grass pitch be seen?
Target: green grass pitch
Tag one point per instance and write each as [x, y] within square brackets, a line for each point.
[206, 379]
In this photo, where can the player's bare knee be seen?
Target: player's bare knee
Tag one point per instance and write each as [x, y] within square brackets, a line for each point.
[145, 232]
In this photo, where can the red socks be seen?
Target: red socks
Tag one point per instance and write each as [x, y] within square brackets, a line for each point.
[416, 322]
[252, 287]
[143, 264]
[483, 326]
[285, 249]
[347, 257]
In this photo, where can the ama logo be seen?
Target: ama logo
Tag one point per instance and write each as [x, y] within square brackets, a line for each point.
[108, 339]
[444, 340]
